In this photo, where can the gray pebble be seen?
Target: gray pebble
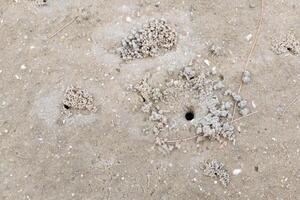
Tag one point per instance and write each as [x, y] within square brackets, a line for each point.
[246, 77]
[242, 104]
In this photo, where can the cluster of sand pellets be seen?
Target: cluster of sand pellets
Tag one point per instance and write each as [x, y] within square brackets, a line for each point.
[40, 2]
[216, 169]
[286, 43]
[77, 99]
[200, 95]
[155, 36]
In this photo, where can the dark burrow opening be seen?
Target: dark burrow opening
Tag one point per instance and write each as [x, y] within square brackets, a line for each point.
[189, 115]
[66, 106]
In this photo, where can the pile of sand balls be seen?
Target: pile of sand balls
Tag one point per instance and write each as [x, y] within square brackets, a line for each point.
[215, 168]
[78, 99]
[286, 43]
[192, 82]
[155, 36]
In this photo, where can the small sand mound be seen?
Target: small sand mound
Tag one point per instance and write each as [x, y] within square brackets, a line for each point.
[78, 99]
[286, 43]
[155, 36]
[215, 168]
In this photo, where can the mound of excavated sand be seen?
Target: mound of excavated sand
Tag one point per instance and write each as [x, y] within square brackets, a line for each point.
[155, 36]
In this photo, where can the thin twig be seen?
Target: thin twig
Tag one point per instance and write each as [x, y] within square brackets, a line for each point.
[251, 50]
[237, 119]
[63, 27]
[183, 139]
[256, 35]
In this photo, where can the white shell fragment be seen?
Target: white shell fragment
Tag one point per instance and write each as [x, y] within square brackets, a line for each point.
[236, 172]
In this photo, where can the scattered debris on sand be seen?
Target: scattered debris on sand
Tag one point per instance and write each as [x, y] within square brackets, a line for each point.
[216, 169]
[286, 43]
[78, 99]
[190, 90]
[155, 36]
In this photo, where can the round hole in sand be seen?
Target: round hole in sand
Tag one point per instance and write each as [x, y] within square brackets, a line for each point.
[189, 115]
[66, 106]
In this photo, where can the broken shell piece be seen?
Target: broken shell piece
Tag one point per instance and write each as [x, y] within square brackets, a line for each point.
[236, 171]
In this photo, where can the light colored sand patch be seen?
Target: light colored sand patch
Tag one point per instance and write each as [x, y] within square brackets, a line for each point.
[46, 107]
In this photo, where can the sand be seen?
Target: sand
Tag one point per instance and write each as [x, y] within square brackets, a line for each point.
[108, 150]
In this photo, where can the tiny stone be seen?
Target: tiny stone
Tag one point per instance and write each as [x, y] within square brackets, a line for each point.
[236, 171]
[249, 37]
[214, 71]
[242, 104]
[128, 19]
[17, 77]
[253, 104]
[23, 67]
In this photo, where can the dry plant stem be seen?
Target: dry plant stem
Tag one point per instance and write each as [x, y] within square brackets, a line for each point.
[238, 119]
[183, 139]
[251, 50]
[63, 27]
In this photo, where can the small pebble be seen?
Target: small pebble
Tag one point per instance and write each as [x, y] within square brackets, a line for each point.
[17, 77]
[128, 19]
[249, 37]
[23, 67]
[207, 62]
[242, 104]
[253, 104]
[214, 71]
[236, 171]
